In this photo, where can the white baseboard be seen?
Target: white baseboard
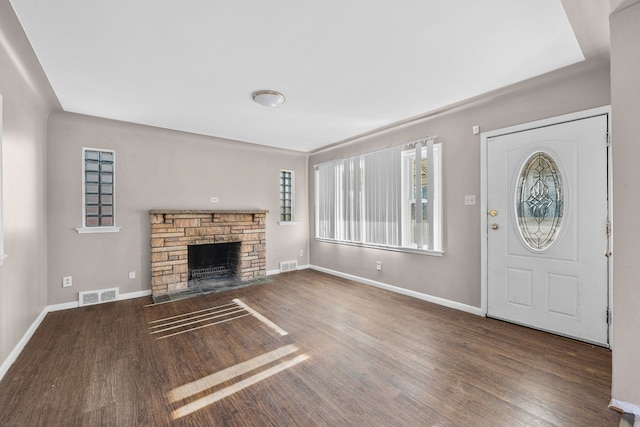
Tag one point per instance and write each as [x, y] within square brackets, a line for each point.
[62, 306]
[138, 294]
[274, 272]
[13, 356]
[625, 407]
[408, 292]
[76, 304]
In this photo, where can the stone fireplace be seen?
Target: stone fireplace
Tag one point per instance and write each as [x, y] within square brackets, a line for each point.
[173, 232]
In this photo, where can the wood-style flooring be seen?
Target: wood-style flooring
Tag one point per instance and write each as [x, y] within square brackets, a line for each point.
[344, 354]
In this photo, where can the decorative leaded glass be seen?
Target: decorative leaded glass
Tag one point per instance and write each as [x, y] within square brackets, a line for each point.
[539, 201]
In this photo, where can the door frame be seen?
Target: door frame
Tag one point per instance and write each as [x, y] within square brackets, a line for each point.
[484, 242]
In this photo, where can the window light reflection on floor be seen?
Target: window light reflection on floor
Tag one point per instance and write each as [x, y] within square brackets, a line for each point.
[230, 373]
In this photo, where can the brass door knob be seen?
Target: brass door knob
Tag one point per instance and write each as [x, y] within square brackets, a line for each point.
[494, 226]
[493, 212]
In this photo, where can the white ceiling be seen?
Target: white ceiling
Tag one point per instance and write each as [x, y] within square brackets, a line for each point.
[345, 67]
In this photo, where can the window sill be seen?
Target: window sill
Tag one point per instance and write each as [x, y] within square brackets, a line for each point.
[95, 230]
[2, 258]
[287, 222]
[385, 248]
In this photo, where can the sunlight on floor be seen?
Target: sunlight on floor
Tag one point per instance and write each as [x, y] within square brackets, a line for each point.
[228, 374]
[192, 321]
[195, 320]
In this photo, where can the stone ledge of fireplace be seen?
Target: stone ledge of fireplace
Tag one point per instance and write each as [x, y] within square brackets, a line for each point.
[206, 290]
[205, 211]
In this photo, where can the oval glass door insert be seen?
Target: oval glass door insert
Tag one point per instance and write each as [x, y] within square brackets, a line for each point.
[539, 201]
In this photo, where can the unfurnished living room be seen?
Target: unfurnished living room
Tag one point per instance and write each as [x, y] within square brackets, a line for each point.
[311, 213]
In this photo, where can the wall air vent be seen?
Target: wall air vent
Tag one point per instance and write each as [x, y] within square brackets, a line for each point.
[288, 266]
[98, 297]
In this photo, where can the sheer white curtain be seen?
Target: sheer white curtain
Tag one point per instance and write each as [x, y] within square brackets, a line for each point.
[382, 197]
[358, 199]
[326, 191]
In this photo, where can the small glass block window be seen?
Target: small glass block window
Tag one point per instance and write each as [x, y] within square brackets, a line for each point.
[99, 169]
[286, 196]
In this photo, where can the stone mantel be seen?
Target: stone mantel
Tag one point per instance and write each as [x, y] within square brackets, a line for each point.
[206, 211]
[174, 230]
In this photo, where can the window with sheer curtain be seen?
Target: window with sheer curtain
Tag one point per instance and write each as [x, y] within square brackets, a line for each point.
[371, 199]
[2, 254]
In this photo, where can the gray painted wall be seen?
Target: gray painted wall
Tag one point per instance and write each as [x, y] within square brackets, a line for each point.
[146, 182]
[157, 169]
[625, 104]
[27, 102]
[456, 275]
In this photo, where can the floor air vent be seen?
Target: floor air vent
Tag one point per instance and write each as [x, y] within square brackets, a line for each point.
[288, 266]
[98, 297]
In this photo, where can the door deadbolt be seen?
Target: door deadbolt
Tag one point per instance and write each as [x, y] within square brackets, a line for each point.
[493, 212]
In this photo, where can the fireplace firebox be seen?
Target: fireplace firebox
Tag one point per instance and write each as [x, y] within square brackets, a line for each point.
[212, 261]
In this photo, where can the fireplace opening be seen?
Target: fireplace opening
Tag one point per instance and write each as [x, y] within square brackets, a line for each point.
[212, 262]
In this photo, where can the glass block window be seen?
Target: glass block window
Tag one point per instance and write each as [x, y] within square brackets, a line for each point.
[99, 174]
[286, 196]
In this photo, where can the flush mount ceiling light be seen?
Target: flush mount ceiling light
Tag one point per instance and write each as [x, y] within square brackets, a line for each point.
[268, 98]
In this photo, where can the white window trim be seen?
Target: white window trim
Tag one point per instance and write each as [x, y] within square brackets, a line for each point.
[96, 230]
[293, 198]
[3, 255]
[101, 229]
[433, 154]
[427, 252]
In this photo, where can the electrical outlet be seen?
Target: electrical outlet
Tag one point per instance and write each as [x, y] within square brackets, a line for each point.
[132, 275]
[470, 200]
[378, 265]
[214, 200]
[67, 281]
[301, 252]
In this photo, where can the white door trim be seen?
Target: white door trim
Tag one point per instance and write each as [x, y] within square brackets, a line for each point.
[484, 136]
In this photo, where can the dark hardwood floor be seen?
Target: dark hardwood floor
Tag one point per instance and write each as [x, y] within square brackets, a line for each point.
[353, 355]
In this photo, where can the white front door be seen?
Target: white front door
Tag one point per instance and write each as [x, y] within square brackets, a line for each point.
[547, 230]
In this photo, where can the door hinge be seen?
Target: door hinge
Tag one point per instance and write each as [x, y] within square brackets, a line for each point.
[608, 139]
[608, 227]
[608, 316]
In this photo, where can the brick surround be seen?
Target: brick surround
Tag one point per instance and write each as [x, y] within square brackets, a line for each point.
[172, 231]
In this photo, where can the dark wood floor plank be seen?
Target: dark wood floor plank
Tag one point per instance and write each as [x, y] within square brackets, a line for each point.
[374, 358]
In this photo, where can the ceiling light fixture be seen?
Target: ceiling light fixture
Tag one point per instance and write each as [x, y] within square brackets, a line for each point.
[268, 98]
